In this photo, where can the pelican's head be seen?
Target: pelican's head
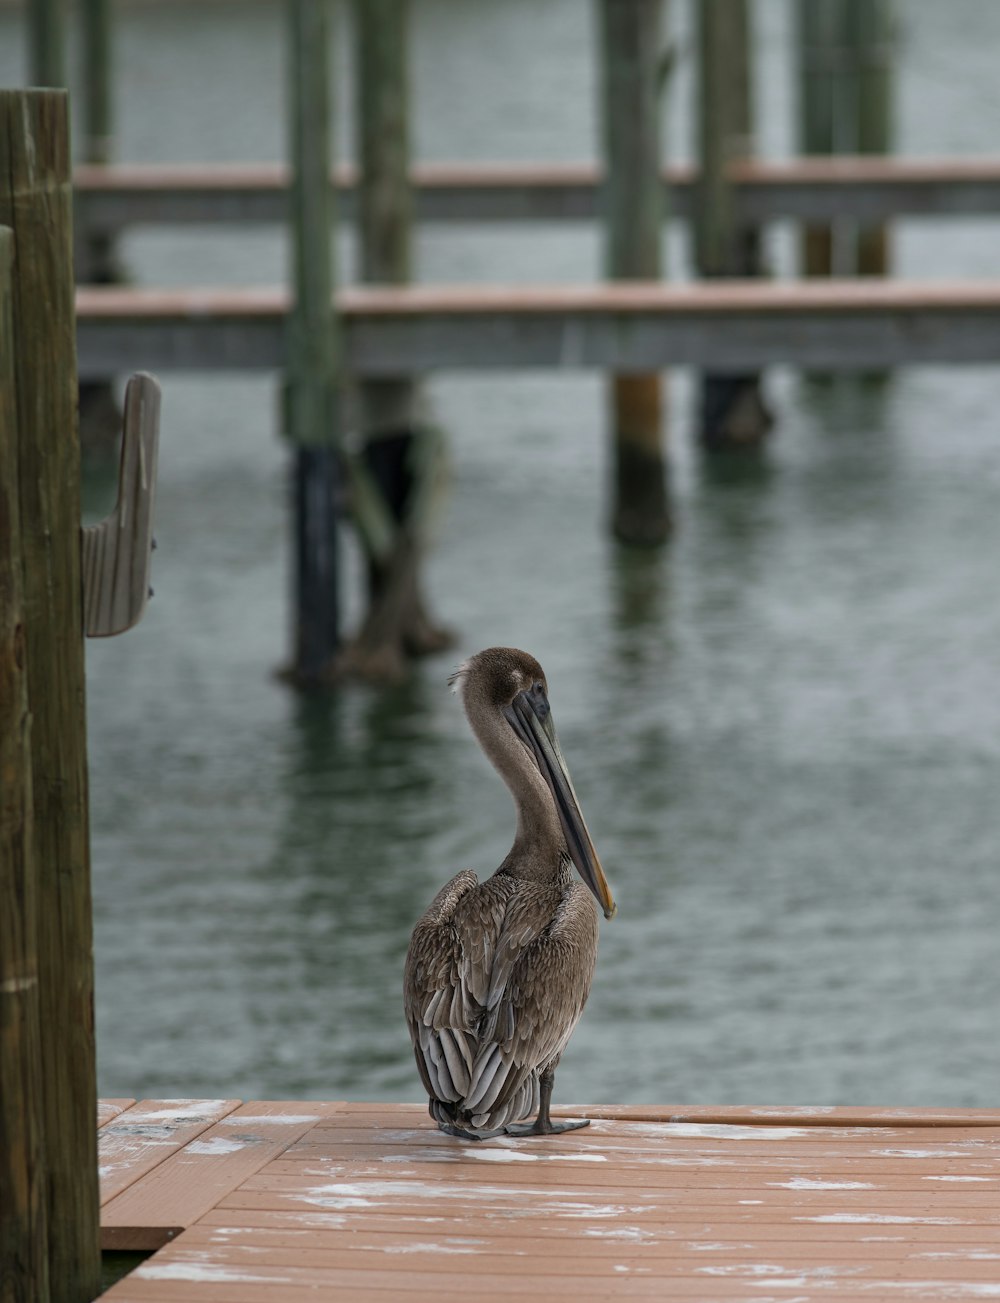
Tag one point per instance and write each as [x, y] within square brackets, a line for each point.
[512, 684]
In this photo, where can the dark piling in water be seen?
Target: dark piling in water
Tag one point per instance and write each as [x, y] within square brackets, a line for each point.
[397, 452]
[733, 413]
[47, 42]
[312, 399]
[96, 263]
[845, 74]
[871, 32]
[43, 656]
[631, 51]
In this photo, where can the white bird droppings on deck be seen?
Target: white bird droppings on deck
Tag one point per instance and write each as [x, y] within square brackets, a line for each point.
[716, 1131]
[627, 1234]
[175, 1108]
[958, 1178]
[203, 1272]
[807, 1183]
[928, 1153]
[270, 1119]
[887, 1219]
[492, 1155]
[216, 1145]
[428, 1247]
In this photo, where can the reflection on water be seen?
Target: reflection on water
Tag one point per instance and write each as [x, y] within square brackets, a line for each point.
[784, 729]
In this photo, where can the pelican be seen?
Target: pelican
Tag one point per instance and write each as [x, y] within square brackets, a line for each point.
[498, 972]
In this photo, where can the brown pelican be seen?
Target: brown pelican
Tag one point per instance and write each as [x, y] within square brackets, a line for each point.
[498, 972]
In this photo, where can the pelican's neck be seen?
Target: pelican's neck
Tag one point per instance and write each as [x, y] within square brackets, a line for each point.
[539, 843]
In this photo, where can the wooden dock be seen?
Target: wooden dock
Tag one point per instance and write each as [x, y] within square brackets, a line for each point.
[625, 326]
[867, 188]
[279, 1202]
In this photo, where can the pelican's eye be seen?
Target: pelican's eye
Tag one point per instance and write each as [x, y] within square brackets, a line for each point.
[539, 699]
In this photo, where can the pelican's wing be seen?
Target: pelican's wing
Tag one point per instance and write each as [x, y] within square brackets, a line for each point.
[540, 982]
[446, 979]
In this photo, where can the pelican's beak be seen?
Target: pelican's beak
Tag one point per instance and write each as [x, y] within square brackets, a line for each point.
[531, 718]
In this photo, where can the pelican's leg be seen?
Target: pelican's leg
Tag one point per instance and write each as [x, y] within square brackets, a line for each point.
[543, 1124]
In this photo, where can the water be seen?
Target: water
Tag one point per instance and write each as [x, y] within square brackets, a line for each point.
[784, 729]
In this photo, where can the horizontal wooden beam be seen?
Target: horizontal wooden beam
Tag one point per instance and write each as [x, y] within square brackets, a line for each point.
[866, 188]
[625, 327]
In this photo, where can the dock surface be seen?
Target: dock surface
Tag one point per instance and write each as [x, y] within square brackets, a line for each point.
[271, 1202]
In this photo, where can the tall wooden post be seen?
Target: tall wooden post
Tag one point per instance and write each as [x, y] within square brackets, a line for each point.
[311, 394]
[871, 33]
[35, 201]
[100, 415]
[631, 57]
[821, 58]
[733, 414]
[845, 94]
[397, 449]
[47, 42]
[24, 1277]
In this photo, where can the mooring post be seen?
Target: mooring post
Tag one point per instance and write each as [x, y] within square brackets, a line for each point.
[23, 1234]
[871, 33]
[397, 452]
[632, 64]
[36, 202]
[312, 417]
[100, 415]
[47, 42]
[846, 93]
[822, 126]
[733, 414]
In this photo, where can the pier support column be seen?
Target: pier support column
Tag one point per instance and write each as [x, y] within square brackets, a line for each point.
[733, 414]
[312, 416]
[47, 42]
[96, 264]
[631, 57]
[397, 451]
[845, 107]
[35, 201]
[23, 1228]
[871, 33]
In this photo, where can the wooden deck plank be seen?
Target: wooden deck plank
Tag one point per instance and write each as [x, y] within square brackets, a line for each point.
[868, 188]
[534, 1222]
[109, 1109]
[550, 1259]
[638, 326]
[663, 1242]
[725, 1115]
[161, 1203]
[765, 1282]
[145, 1135]
[370, 1203]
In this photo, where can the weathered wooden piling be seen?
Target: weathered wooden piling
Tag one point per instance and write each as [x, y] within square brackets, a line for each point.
[845, 107]
[311, 409]
[821, 117]
[47, 42]
[24, 1275]
[871, 35]
[733, 414]
[397, 449]
[35, 202]
[631, 46]
[96, 263]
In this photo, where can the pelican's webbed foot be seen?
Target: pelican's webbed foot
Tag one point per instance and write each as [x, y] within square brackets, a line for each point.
[544, 1127]
[543, 1124]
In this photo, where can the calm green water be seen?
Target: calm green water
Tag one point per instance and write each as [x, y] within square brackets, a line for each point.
[784, 729]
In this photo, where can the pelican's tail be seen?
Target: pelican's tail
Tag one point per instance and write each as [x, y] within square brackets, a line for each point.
[455, 1118]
